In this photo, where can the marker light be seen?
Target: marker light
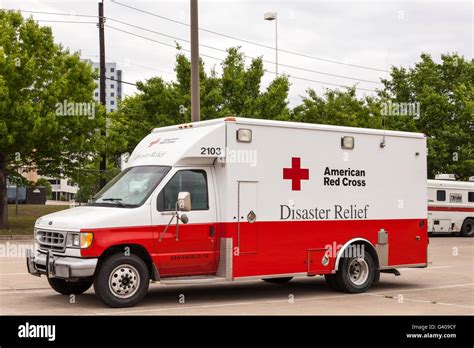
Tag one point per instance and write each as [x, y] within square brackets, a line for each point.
[347, 143]
[86, 239]
[244, 135]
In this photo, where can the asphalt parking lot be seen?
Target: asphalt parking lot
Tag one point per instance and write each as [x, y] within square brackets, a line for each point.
[445, 287]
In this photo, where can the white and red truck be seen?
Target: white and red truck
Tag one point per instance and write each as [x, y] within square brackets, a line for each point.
[243, 199]
[450, 206]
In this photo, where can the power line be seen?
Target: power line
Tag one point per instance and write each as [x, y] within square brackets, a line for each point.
[126, 62]
[251, 42]
[51, 13]
[121, 81]
[159, 42]
[206, 55]
[221, 60]
[188, 41]
[58, 21]
[248, 57]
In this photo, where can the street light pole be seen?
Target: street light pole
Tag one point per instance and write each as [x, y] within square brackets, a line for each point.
[195, 90]
[272, 16]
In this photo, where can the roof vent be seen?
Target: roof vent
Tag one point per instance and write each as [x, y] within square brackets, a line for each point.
[450, 177]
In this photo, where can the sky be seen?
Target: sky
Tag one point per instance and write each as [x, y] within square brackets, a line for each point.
[372, 34]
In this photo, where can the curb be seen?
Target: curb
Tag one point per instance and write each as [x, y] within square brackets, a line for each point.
[16, 237]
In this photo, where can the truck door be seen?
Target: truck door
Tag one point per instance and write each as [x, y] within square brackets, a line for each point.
[247, 216]
[192, 248]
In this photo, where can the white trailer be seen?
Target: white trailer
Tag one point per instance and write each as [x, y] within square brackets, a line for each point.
[450, 206]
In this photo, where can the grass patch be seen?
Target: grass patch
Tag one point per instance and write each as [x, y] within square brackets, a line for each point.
[27, 215]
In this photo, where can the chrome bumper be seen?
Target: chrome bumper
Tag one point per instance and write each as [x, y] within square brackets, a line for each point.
[59, 266]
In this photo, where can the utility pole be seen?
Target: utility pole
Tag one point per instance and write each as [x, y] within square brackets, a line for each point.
[195, 89]
[102, 92]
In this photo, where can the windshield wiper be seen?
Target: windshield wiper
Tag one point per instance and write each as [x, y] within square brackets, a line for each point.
[115, 200]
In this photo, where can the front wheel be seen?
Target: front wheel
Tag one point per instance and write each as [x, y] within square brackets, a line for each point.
[65, 287]
[122, 281]
[467, 229]
[356, 274]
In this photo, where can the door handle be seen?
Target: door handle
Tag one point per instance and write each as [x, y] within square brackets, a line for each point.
[211, 231]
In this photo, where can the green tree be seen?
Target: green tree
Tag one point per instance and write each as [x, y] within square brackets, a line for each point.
[37, 76]
[445, 94]
[340, 108]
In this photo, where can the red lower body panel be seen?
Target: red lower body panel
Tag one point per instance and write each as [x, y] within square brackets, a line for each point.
[283, 245]
[278, 247]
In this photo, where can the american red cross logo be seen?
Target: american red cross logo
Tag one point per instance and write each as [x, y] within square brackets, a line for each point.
[295, 173]
[154, 142]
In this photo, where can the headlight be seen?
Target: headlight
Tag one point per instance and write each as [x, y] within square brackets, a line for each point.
[86, 239]
[73, 240]
[81, 240]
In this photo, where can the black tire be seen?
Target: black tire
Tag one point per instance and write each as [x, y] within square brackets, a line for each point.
[133, 279]
[347, 283]
[65, 287]
[467, 229]
[376, 277]
[278, 280]
[331, 281]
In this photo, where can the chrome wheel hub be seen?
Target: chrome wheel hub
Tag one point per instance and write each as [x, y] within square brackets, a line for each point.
[358, 271]
[124, 281]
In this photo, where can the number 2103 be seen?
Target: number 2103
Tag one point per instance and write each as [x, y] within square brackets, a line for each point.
[211, 151]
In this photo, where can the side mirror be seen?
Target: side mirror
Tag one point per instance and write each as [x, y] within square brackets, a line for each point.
[184, 201]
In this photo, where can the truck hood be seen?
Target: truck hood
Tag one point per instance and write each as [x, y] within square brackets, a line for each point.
[91, 217]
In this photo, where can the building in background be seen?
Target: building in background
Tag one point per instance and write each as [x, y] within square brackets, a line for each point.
[62, 189]
[113, 84]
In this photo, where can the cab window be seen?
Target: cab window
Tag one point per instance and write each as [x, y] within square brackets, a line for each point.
[192, 181]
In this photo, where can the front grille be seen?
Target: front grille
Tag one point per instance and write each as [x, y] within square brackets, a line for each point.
[51, 240]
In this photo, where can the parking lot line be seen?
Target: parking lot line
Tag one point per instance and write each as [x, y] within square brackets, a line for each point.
[430, 288]
[425, 301]
[227, 304]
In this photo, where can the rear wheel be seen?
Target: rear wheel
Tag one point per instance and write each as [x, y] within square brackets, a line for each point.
[467, 229]
[356, 274]
[278, 280]
[376, 277]
[122, 281]
[65, 287]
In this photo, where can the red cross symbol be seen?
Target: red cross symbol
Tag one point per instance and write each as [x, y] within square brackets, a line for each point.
[295, 173]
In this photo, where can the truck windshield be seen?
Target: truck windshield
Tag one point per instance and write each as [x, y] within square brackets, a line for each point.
[131, 187]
